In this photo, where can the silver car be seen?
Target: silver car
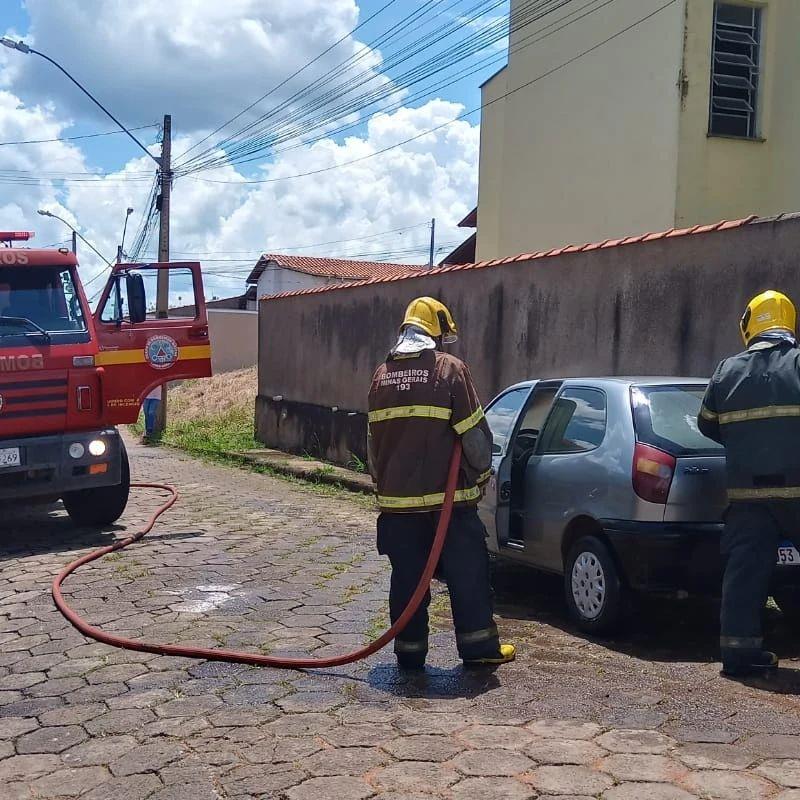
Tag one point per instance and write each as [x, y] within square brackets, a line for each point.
[609, 482]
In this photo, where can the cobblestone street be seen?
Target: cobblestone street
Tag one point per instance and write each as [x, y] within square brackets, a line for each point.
[251, 562]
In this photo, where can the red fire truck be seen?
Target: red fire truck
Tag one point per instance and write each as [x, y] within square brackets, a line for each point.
[68, 375]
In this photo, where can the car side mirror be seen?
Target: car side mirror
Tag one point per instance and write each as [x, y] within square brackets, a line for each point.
[137, 298]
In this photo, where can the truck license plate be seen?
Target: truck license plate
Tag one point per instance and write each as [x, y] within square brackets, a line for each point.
[788, 555]
[9, 457]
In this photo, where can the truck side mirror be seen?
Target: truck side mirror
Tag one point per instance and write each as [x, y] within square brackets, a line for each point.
[137, 298]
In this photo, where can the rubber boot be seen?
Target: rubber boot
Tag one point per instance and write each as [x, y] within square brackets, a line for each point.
[508, 652]
[764, 661]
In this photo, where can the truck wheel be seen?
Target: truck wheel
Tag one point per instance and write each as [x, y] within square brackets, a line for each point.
[592, 585]
[101, 506]
[788, 600]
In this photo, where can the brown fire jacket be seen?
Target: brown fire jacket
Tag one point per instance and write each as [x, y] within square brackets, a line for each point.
[417, 407]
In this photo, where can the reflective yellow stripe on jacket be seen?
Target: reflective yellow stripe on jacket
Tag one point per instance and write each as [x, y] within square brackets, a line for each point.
[405, 412]
[749, 414]
[708, 414]
[470, 422]
[428, 500]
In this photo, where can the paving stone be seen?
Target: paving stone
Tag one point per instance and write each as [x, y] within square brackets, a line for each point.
[645, 791]
[427, 723]
[345, 761]
[98, 751]
[423, 748]
[631, 741]
[415, 776]
[359, 735]
[333, 788]
[721, 785]
[27, 767]
[685, 733]
[569, 780]
[146, 758]
[491, 762]
[116, 673]
[492, 789]
[773, 745]
[301, 702]
[189, 706]
[784, 772]
[123, 721]
[295, 749]
[51, 740]
[714, 756]
[496, 736]
[643, 767]
[301, 724]
[22, 680]
[563, 729]
[69, 782]
[564, 751]
[16, 726]
[789, 794]
[196, 791]
[131, 787]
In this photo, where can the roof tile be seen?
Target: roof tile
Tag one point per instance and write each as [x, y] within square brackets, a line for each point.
[343, 269]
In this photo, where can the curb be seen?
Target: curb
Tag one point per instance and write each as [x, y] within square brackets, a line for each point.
[312, 471]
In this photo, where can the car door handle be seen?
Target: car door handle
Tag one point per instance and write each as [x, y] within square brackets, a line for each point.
[505, 490]
[696, 470]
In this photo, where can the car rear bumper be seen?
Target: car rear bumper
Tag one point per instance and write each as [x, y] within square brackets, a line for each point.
[669, 557]
[48, 470]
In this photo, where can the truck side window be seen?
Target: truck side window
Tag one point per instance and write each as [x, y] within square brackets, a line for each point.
[181, 293]
[577, 422]
[501, 415]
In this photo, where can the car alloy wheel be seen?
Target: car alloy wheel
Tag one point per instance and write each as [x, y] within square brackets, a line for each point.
[588, 585]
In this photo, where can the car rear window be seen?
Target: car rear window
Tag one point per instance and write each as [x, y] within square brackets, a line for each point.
[666, 417]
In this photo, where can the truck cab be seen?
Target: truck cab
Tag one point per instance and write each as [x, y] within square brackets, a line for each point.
[68, 376]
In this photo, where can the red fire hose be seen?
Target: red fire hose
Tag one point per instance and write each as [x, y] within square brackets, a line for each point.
[236, 656]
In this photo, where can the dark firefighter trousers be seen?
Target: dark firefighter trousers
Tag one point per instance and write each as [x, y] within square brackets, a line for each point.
[464, 564]
[752, 534]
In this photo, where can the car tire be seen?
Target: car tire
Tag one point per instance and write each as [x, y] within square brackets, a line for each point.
[593, 587]
[104, 505]
[788, 600]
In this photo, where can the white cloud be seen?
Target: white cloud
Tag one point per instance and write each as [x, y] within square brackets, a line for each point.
[200, 60]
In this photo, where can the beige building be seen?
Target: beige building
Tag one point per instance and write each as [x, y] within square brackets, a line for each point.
[690, 114]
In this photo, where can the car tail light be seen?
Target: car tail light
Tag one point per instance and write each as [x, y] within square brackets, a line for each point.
[653, 470]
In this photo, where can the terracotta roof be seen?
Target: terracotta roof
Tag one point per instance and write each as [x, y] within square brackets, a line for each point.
[331, 267]
[672, 233]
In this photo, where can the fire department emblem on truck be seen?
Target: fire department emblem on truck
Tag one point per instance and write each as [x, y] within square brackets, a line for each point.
[161, 352]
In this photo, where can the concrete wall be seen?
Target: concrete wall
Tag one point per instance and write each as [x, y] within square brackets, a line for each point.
[589, 151]
[234, 339]
[669, 306]
[721, 178]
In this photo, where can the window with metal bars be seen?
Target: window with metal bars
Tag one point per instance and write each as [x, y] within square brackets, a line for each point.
[735, 66]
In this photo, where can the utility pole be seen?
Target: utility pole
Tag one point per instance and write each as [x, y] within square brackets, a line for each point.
[74, 241]
[162, 290]
[433, 241]
[119, 254]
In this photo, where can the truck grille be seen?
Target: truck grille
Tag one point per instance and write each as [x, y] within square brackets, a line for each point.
[33, 398]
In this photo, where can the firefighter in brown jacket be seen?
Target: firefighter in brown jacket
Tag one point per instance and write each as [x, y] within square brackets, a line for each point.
[420, 400]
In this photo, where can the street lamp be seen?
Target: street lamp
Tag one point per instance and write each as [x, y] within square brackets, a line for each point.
[45, 213]
[24, 48]
[121, 248]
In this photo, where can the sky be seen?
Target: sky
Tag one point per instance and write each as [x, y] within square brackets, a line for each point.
[204, 63]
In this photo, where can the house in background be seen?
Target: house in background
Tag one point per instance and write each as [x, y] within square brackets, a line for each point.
[276, 273]
[465, 252]
[640, 116]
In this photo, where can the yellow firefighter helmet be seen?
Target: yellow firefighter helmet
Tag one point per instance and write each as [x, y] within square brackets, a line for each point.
[766, 312]
[432, 317]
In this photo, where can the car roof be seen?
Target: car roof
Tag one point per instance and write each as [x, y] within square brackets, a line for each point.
[612, 380]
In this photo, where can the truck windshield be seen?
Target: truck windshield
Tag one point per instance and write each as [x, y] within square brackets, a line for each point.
[36, 299]
[666, 417]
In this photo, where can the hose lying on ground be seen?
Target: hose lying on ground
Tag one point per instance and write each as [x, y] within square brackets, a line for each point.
[235, 656]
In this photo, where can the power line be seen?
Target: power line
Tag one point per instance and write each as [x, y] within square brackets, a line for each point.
[462, 116]
[75, 138]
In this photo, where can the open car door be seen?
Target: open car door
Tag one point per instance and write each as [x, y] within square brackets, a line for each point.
[138, 349]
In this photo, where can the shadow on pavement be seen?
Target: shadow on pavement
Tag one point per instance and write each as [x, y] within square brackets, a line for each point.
[433, 683]
[657, 629]
[44, 529]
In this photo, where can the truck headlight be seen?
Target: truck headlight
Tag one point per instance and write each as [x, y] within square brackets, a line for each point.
[76, 450]
[97, 447]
